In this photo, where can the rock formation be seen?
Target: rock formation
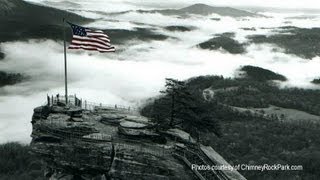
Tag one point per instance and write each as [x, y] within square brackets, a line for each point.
[114, 143]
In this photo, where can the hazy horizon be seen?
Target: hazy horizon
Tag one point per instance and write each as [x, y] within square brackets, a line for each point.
[138, 69]
[286, 4]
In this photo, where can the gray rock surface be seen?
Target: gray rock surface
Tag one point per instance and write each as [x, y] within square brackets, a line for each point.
[86, 147]
[74, 143]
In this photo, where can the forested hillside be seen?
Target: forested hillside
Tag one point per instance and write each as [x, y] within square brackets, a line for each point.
[17, 163]
[246, 137]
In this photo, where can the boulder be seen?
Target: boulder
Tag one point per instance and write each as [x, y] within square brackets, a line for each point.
[180, 135]
[132, 125]
[139, 119]
[113, 119]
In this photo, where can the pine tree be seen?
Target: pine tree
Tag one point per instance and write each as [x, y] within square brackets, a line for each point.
[189, 112]
[176, 94]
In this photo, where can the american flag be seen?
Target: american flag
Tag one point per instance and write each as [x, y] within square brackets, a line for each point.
[89, 39]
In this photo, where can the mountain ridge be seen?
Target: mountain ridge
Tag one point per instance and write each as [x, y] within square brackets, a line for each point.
[198, 9]
[203, 9]
[23, 20]
[7, 6]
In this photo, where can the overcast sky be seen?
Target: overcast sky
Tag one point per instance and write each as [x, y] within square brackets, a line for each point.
[292, 4]
[297, 4]
[267, 3]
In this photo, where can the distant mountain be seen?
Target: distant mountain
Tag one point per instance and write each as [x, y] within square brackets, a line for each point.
[63, 4]
[302, 42]
[203, 9]
[178, 28]
[224, 41]
[20, 19]
[2, 55]
[121, 36]
[198, 9]
[7, 6]
[10, 78]
[261, 74]
[316, 81]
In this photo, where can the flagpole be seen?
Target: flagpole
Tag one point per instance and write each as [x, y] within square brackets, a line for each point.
[65, 63]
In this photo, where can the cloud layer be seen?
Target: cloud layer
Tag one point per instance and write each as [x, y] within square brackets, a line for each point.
[132, 4]
[137, 71]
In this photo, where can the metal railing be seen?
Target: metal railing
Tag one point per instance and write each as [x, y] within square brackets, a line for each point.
[87, 105]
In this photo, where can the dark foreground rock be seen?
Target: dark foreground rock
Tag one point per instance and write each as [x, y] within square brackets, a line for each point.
[105, 143]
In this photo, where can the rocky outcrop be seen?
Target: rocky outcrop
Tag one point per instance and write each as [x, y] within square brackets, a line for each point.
[106, 143]
[77, 143]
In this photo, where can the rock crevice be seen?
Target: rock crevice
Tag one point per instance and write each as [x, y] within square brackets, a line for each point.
[105, 143]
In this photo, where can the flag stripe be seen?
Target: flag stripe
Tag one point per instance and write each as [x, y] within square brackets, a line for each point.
[90, 46]
[97, 34]
[99, 37]
[76, 42]
[89, 30]
[88, 39]
[94, 49]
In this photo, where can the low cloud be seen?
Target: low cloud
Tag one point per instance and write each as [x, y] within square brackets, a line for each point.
[112, 5]
[138, 69]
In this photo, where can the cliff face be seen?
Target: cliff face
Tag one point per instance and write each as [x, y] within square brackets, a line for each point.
[113, 143]
[77, 143]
